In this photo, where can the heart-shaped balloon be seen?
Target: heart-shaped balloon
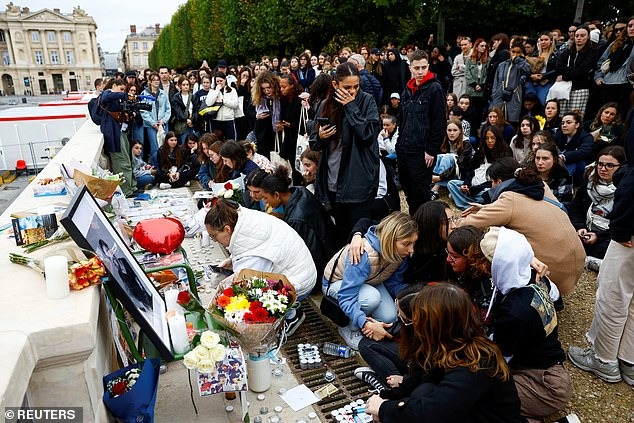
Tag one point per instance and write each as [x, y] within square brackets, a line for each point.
[163, 235]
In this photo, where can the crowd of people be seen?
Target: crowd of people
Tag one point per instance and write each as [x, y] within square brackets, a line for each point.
[455, 312]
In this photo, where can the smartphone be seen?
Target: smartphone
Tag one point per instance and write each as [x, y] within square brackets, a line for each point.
[323, 121]
[221, 270]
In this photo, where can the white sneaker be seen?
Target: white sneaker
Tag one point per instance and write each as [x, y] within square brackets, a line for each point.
[164, 185]
[188, 183]
[593, 263]
[351, 336]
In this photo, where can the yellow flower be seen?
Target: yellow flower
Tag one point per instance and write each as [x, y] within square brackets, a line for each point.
[239, 302]
[541, 120]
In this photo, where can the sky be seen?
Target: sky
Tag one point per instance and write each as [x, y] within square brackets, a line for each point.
[113, 17]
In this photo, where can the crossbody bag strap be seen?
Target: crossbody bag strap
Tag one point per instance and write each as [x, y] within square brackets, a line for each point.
[556, 203]
[334, 266]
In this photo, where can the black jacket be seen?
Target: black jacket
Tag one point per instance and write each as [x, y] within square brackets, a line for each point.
[371, 85]
[311, 221]
[579, 148]
[456, 395]
[289, 112]
[422, 120]
[577, 67]
[622, 221]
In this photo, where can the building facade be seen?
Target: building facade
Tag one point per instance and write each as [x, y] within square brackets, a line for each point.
[137, 46]
[47, 51]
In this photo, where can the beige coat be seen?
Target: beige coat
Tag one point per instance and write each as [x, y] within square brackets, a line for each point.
[547, 228]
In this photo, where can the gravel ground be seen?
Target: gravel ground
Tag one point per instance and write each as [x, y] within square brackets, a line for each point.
[593, 401]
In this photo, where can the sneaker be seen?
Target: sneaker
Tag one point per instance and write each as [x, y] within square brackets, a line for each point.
[627, 373]
[570, 418]
[188, 183]
[164, 185]
[593, 263]
[433, 195]
[369, 376]
[351, 336]
[585, 359]
[292, 323]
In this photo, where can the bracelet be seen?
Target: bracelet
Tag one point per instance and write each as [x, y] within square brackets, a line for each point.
[358, 233]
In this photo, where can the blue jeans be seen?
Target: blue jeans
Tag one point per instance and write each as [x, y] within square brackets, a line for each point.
[143, 180]
[444, 162]
[576, 171]
[375, 300]
[184, 135]
[462, 199]
[150, 136]
[541, 91]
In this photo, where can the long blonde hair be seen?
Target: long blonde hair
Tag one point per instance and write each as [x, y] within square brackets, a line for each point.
[392, 228]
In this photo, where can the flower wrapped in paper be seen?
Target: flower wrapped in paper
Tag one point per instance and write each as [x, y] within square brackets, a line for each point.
[252, 306]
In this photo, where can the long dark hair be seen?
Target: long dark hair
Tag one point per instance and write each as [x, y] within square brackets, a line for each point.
[500, 149]
[431, 219]
[332, 109]
[234, 152]
[164, 153]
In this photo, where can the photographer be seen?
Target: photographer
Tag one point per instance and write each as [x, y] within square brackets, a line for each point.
[113, 127]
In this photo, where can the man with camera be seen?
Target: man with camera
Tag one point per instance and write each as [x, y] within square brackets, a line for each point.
[115, 141]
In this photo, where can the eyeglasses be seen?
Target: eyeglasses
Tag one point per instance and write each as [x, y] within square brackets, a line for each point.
[452, 257]
[619, 29]
[608, 166]
[402, 318]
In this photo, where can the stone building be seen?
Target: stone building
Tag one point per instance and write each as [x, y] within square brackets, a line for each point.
[137, 46]
[47, 51]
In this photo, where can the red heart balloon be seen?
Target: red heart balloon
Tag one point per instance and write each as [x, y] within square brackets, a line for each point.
[162, 235]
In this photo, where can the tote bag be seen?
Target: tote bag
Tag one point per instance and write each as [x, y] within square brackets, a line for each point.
[276, 159]
[302, 140]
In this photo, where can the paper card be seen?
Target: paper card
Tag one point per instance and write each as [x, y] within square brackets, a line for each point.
[299, 397]
[230, 374]
[32, 229]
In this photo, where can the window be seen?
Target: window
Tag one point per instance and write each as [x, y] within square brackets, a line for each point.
[144, 45]
[135, 45]
[51, 36]
[39, 59]
[2, 37]
[54, 57]
[67, 37]
[69, 57]
[6, 59]
[35, 36]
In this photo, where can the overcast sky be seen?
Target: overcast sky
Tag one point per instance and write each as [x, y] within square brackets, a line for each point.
[113, 17]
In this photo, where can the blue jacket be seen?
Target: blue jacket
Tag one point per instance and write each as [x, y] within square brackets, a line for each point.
[110, 128]
[161, 109]
[355, 276]
[371, 85]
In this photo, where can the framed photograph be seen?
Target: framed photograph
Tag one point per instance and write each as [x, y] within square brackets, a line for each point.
[90, 229]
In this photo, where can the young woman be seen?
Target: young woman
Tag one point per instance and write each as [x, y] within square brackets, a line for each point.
[266, 99]
[201, 123]
[543, 67]
[287, 128]
[456, 373]
[495, 117]
[508, 89]
[576, 146]
[348, 172]
[246, 123]
[476, 70]
[525, 323]
[395, 75]
[470, 188]
[259, 241]
[157, 117]
[452, 100]
[551, 113]
[212, 169]
[553, 173]
[173, 171]
[303, 213]
[521, 143]
[454, 159]
[235, 158]
[228, 97]
[575, 64]
[606, 128]
[592, 205]
[143, 172]
[367, 289]
[305, 73]
[182, 110]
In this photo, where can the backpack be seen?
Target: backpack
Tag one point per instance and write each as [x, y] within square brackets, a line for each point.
[95, 110]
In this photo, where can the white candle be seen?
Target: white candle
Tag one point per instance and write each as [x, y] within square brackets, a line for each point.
[205, 241]
[56, 270]
[178, 333]
[171, 295]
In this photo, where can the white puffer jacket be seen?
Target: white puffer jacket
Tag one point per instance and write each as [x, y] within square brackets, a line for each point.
[258, 234]
[229, 102]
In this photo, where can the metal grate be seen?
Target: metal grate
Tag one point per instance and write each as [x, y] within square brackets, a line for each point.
[317, 330]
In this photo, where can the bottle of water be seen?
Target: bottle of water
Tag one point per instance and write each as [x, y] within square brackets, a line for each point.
[344, 351]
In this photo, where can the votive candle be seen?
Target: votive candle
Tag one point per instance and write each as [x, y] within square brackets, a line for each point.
[178, 333]
[171, 296]
[56, 271]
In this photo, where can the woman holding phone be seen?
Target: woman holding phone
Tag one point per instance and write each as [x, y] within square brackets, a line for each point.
[346, 134]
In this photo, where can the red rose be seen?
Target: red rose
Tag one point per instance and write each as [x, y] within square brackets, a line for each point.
[255, 305]
[119, 388]
[183, 298]
[249, 317]
[261, 314]
[228, 292]
[228, 186]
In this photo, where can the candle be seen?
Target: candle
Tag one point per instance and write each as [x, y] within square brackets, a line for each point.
[171, 295]
[178, 333]
[56, 271]
[205, 241]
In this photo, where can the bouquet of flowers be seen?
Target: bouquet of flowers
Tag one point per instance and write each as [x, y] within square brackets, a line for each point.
[86, 273]
[541, 120]
[122, 384]
[231, 190]
[252, 306]
[203, 357]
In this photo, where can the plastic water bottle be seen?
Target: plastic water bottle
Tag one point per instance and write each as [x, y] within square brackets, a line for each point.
[344, 351]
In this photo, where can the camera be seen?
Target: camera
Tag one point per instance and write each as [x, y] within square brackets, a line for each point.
[134, 106]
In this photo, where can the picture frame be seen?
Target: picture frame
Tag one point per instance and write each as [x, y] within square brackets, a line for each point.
[90, 228]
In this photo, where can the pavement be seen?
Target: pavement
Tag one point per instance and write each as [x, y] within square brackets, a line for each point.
[10, 191]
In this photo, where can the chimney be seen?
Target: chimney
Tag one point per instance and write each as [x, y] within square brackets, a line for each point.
[157, 27]
[56, 10]
[132, 29]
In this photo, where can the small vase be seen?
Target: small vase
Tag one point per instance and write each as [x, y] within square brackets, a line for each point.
[259, 372]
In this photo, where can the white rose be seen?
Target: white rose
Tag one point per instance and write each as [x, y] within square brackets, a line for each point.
[206, 366]
[228, 193]
[221, 192]
[235, 185]
[201, 352]
[217, 353]
[190, 360]
[209, 339]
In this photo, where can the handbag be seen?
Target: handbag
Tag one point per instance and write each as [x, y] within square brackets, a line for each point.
[329, 307]
[605, 66]
[302, 140]
[276, 159]
[560, 91]
[210, 111]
